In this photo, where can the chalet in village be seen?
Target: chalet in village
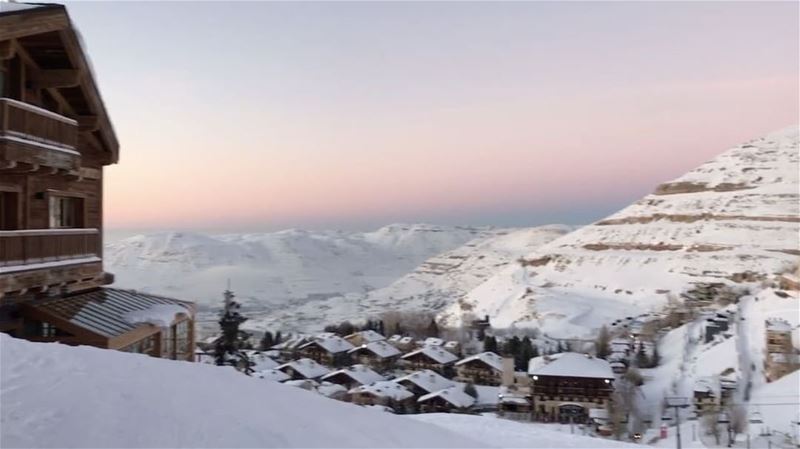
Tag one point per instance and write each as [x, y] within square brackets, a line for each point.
[55, 139]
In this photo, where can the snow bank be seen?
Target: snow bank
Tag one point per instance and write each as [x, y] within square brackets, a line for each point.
[59, 396]
[161, 315]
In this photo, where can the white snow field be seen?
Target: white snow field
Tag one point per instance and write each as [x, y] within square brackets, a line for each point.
[59, 396]
[734, 218]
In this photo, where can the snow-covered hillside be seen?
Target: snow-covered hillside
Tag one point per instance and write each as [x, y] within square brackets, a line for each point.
[734, 218]
[276, 268]
[60, 396]
[436, 283]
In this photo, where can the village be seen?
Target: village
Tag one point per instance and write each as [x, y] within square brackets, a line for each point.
[592, 384]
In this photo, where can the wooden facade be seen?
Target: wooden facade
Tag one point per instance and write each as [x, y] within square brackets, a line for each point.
[569, 399]
[55, 139]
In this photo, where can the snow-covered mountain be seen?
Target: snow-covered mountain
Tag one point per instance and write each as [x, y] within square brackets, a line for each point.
[431, 286]
[269, 269]
[735, 218]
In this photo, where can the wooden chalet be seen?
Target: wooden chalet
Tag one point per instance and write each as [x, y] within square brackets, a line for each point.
[566, 386]
[384, 393]
[429, 357]
[326, 349]
[705, 396]
[363, 337]
[55, 139]
[378, 355]
[448, 400]
[485, 368]
[353, 376]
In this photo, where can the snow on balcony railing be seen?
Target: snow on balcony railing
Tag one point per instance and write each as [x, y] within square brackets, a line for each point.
[19, 120]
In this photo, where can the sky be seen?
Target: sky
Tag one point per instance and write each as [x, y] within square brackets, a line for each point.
[263, 116]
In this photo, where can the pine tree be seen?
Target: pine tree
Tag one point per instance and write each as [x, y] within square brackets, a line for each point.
[641, 356]
[267, 341]
[490, 344]
[602, 346]
[229, 347]
[656, 359]
[524, 354]
[433, 329]
[278, 338]
[381, 329]
[511, 348]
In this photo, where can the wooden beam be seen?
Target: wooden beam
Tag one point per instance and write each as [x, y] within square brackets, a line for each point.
[88, 123]
[33, 21]
[46, 79]
[7, 50]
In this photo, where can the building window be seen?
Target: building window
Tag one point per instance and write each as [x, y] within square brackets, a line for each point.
[182, 337]
[48, 330]
[168, 343]
[9, 211]
[66, 212]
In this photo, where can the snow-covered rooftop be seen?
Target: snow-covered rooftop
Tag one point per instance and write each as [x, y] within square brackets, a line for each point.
[359, 373]
[385, 389]
[161, 315]
[334, 344]
[435, 353]
[428, 380]
[453, 395]
[778, 325]
[368, 336]
[570, 364]
[379, 348]
[306, 368]
[489, 358]
[433, 341]
[271, 374]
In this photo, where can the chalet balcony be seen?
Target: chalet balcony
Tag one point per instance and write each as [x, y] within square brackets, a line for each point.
[32, 137]
[37, 248]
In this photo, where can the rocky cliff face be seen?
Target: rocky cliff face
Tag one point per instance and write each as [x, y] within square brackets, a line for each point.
[734, 219]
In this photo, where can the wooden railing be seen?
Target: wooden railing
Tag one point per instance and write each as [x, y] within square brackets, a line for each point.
[19, 248]
[30, 123]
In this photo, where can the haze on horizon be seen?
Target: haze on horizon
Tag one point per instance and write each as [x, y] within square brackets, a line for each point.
[260, 116]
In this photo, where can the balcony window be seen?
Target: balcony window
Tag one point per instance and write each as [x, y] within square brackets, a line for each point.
[48, 330]
[66, 212]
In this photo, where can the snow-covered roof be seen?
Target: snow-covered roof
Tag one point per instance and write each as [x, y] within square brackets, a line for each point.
[161, 315]
[489, 358]
[454, 395]
[306, 367]
[359, 373]
[406, 340]
[570, 364]
[379, 348]
[452, 344]
[704, 386]
[291, 343]
[261, 361]
[435, 353]
[328, 389]
[395, 338]
[428, 380]
[368, 335]
[778, 325]
[272, 374]
[433, 341]
[305, 384]
[334, 344]
[386, 388]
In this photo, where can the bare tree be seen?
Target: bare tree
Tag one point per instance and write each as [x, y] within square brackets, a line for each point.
[602, 345]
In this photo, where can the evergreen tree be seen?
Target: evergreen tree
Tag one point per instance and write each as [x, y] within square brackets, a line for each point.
[535, 351]
[267, 341]
[641, 356]
[381, 330]
[656, 359]
[278, 338]
[511, 348]
[490, 344]
[524, 354]
[228, 349]
[433, 329]
[602, 345]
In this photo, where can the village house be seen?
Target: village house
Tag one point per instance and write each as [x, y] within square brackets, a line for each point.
[514, 403]
[706, 396]
[782, 357]
[363, 337]
[790, 280]
[353, 376]
[485, 368]
[404, 344]
[448, 400]
[379, 355]
[55, 139]
[288, 349]
[326, 349]
[453, 346]
[303, 369]
[429, 357]
[566, 386]
[385, 393]
[425, 381]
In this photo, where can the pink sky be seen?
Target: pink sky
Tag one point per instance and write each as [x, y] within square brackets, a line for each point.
[350, 116]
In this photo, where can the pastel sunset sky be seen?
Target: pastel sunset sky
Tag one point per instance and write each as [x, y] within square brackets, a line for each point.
[261, 116]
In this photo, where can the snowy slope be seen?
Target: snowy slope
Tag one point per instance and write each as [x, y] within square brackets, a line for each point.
[60, 396]
[735, 214]
[270, 269]
[433, 285]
